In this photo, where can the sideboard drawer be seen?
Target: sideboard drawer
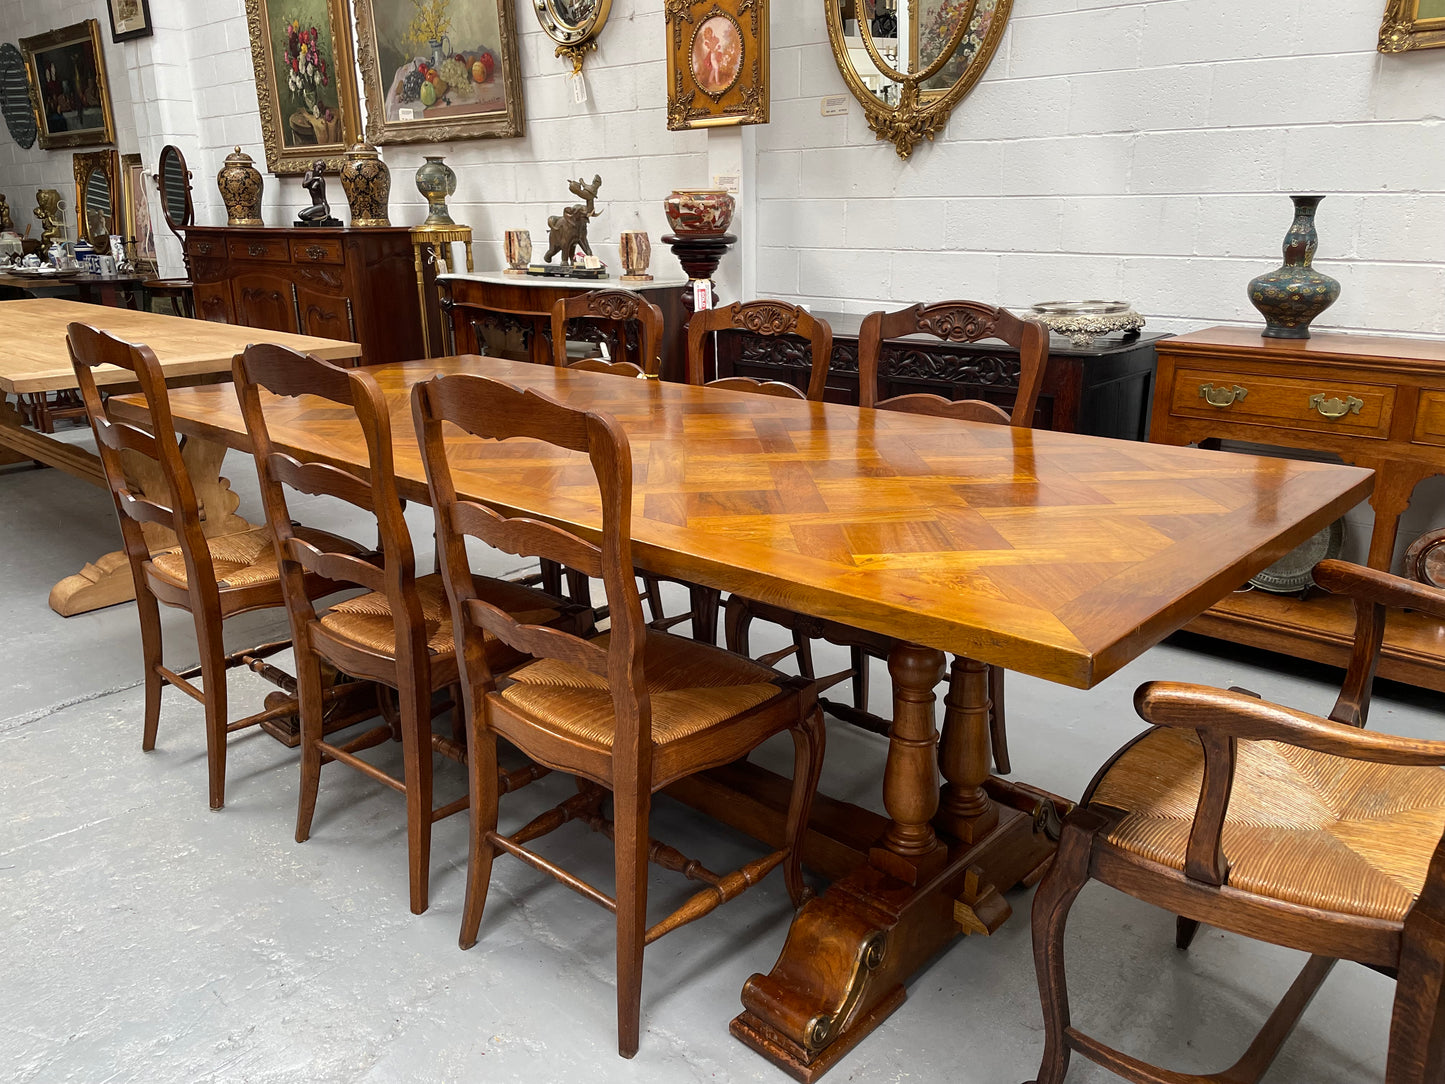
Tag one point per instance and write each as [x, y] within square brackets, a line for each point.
[1430, 417]
[1362, 410]
[321, 250]
[259, 249]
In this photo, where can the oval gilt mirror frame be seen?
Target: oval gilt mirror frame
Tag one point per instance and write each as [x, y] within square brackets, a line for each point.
[573, 25]
[915, 92]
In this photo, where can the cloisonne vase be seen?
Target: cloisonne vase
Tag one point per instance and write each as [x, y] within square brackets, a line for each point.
[367, 184]
[1294, 294]
[436, 181]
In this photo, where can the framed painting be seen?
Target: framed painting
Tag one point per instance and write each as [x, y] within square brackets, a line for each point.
[140, 227]
[301, 52]
[717, 63]
[129, 19]
[66, 70]
[1412, 24]
[438, 70]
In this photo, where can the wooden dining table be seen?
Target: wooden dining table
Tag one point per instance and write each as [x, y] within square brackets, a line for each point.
[1058, 555]
[34, 361]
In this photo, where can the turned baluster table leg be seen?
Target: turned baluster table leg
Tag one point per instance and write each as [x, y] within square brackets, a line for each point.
[910, 777]
[968, 813]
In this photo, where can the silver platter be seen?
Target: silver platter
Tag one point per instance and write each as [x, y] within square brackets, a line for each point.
[1083, 321]
[1291, 573]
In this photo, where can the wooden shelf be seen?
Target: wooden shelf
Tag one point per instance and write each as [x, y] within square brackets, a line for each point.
[1321, 628]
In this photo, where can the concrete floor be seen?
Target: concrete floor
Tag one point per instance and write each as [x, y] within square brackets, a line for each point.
[146, 939]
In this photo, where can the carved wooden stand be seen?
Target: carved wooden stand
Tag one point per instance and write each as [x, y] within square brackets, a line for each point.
[937, 870]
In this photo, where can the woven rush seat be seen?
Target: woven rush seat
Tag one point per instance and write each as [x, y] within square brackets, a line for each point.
[245, 559]
[691, 686]
[366, 620]
[1303, 827]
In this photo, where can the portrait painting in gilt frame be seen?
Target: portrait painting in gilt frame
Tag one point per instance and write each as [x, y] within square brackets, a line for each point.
[66, 70]
[437, 70]
[717, 63]
[305, 87]
[1412, 24]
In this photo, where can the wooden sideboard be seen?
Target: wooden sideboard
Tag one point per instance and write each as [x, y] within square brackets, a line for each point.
[1102, 390]
[357, 285]
[1374, 401]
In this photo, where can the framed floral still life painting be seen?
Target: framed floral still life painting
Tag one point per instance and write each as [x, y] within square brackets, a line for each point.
[66, 69]
[717, 63]
[1412, 24]
[305, 86]
[438, 70]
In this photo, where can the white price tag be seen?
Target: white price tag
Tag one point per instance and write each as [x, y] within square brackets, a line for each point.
[833, 105]
[701, 295]
[406, 114]
[733, 182]
[578, 82]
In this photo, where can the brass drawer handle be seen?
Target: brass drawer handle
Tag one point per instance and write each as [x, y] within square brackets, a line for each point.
[1222, 397]
[257, 250]
[316, 252]
[1336, 408]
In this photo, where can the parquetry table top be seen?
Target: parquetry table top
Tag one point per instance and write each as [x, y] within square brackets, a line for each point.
[1054, 554]
[34, 359]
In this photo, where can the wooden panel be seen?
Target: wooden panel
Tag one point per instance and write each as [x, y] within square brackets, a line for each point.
[1430, 418]
[316, 250]
[263, 299]
[1275, 400]
[325, 313]
[213, 301]
[258, 248]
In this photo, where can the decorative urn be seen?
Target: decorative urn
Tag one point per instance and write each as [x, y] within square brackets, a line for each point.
[240, 184]
[366, 180]
[436, 181]
[1292, 295]
[699, 212]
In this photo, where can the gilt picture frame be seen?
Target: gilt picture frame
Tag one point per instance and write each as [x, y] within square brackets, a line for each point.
[717, 63]
[439, 70]
[1412, 24]
[140, 225]
[305, 82]
[66, 72]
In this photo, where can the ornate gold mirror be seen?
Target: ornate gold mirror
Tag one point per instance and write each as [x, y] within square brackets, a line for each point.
[909, 62]
[174, 181]
[97, 197]
[573, 25]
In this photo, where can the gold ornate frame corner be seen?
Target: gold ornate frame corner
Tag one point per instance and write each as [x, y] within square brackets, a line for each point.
[1402, 29]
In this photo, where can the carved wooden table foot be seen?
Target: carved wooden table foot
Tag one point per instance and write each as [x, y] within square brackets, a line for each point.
[939, 869]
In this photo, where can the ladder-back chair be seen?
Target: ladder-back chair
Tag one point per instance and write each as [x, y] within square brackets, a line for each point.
[398, 634]
[628, 712]
[1306, 832]
[172, 561]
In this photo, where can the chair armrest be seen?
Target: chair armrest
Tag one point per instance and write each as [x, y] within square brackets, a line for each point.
[1382, 588]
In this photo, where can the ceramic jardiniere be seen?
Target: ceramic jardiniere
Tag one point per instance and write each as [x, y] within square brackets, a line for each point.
[1294, 294]
[367, 184]
[240, 185]
[699, 212]
[436, 181]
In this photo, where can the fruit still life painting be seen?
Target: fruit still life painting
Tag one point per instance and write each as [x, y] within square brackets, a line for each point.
[438, 59]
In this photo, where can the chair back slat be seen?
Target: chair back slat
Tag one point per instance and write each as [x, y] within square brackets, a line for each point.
[767, 318]
[154, 453]
[757, 387]
[487, 409]
[284, 373]
[619, 312]
[611, 368]
[955, 321]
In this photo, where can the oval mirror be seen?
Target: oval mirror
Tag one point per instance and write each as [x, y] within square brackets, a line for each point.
[97, 181]
[15, 103]
[573, 25]
[174, 181]
[909, 62]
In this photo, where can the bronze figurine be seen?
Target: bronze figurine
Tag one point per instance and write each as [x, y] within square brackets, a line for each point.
[319, 213]
[567, 232]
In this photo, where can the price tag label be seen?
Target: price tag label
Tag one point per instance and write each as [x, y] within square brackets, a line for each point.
[578, 85]
[701, 295]
[834, 105]
[406, 114]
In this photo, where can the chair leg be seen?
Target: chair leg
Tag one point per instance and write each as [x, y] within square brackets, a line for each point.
[416, 755]
[808, 745]
[1417, 1027]
[482, 770]
[213, 685]
[1068, 874]
[1184, 931]
[737, 620]
[150, 639]
[859, 658]
[310, 709]
[705, 604]
[997, 731]
[630, 818]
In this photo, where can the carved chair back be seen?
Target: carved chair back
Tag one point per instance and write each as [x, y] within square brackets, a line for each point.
[630, 321]
[285, 373]
[955, 321]
[494, 410]
[127, 452]
[767, 318]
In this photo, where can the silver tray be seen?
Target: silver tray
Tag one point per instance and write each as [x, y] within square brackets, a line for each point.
[1291, 573]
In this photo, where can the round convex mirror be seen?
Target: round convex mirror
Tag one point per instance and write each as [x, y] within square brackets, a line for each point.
[573, 25]
[175, 185]
[15, 102]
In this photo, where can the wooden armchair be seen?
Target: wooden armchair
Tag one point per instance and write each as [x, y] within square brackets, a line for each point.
[173, 562]
[620, 312]
[627, 712]
[1278, 825]
[399, 634]
[954, 321]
